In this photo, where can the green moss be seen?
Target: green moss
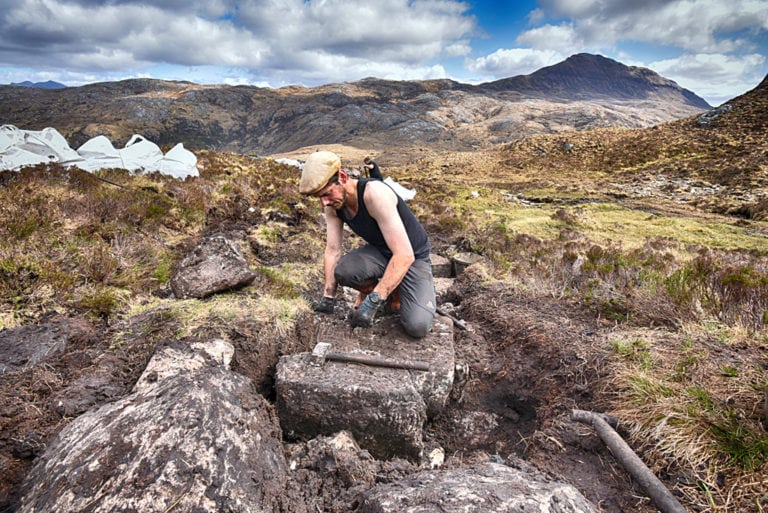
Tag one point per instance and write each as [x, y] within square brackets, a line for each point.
[636, 350]
[279, 283]
[164, 268]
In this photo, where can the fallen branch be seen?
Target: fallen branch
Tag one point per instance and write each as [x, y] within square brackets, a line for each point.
[654, 488]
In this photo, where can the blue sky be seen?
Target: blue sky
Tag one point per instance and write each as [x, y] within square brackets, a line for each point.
[717, 49]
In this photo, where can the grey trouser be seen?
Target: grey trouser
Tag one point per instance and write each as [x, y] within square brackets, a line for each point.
[364, 266]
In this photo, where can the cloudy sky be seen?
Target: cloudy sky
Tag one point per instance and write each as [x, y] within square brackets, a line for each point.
[716, 48]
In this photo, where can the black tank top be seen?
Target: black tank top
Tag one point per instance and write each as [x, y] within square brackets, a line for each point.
[367, 227]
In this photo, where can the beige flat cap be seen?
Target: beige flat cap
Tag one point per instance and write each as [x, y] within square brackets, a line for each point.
[318, 169]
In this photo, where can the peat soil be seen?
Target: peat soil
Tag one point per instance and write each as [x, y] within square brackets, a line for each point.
[523, 365]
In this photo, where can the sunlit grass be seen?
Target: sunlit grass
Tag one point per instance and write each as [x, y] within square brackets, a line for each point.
[693, 411]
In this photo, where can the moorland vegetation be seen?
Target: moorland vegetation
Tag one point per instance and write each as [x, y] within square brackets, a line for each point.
[659, 234]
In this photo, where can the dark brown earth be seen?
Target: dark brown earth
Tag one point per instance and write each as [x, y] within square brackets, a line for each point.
[523, 373]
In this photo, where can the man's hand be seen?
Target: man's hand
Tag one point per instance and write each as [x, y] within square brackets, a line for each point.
[367, 310]
[325, 305]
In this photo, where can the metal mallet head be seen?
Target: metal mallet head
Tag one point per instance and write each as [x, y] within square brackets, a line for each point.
[318, 353]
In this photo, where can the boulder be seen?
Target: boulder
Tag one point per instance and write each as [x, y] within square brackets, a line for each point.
[383, 408]
[216, 265]
[33, 344]
[192, 436]
[488, 487]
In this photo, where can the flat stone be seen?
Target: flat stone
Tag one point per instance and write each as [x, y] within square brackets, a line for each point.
[383, 408]
[488, 487]
[461, 261]
[441, 266]
[30, 345]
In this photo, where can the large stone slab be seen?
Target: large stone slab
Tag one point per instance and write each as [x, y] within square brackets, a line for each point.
[487, 487]
[193, 436]
[384, 408]
[30, 345]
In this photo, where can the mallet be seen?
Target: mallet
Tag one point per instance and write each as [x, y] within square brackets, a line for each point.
[322, 352]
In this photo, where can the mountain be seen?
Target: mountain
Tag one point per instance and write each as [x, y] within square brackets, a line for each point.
[714, 160]
[584, 91]
[588, 77]
[50, 84]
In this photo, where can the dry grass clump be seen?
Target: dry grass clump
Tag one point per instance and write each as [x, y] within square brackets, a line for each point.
[88, 243]
[694, 407]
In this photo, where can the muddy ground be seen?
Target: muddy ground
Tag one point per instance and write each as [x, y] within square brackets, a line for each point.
[526, 363]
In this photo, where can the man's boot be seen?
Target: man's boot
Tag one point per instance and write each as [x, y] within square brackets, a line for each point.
[364, 291]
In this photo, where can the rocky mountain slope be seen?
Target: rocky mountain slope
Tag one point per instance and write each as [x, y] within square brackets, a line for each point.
[585, 91]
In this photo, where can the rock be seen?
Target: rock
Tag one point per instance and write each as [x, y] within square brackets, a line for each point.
[442, 286]
[710, 117]
[487, 487]
[441, 266]
[332, 472]
[192, 435]
[461, 261]
[31, 345]
[383, 408]
[216, 265]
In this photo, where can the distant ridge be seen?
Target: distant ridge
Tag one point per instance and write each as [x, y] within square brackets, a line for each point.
[585, 76]
[585, 91]
[50, 84]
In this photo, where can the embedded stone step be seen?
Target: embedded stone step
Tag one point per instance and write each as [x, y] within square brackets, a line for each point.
[384, 408]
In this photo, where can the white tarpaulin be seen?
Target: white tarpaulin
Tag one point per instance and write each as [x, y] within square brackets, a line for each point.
[406, 194]
[21, 148]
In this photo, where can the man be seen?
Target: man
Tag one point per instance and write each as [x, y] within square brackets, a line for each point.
[372, 168]
[395, 259]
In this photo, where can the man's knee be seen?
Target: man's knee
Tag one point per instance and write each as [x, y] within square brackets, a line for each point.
[418, 327]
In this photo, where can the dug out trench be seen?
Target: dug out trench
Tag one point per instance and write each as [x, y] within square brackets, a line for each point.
[520, 369]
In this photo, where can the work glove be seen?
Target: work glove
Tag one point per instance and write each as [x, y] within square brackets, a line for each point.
[325, 305]
[367, 310]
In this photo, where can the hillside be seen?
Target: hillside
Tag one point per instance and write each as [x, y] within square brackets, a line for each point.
[370, 113]
[588, 77]
[624, 271]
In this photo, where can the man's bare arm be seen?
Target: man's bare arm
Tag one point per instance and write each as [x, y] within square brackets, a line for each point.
[332, 254]
[381, 202]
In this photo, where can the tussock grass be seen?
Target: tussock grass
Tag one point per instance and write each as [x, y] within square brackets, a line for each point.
[695, 418]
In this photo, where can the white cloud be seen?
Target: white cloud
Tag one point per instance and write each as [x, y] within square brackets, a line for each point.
[563, 39]
[706, 26]
[314, 40]
[458, 49]
[517, 61]
[398, 31]
[716, 77]
[536, 16]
